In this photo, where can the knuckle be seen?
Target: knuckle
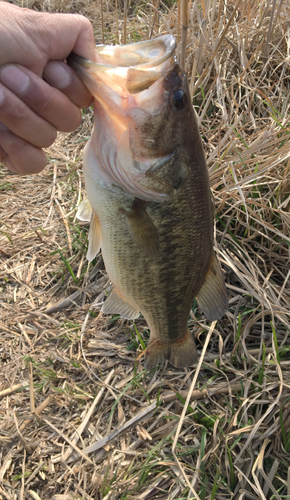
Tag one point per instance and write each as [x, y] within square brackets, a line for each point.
[19, 155]
[83, 21]
[37, 162]
[27, 159]
[43, 103]
[18, 116]
[9, 111]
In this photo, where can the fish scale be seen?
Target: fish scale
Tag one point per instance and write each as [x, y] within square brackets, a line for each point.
[151, 210]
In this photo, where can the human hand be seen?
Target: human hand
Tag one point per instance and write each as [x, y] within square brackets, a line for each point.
[39, 93]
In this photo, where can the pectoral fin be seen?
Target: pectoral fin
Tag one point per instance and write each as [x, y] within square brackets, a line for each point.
[212, 297]
[94, 237]
[84, 212]
[142, 229]
[115, 304]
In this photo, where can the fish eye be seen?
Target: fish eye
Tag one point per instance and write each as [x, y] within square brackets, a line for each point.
[179, 99]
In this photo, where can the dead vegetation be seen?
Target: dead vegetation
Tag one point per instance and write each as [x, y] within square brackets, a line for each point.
[79, 416]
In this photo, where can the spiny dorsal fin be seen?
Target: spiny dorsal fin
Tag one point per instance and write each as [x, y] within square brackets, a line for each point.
[84, 212]
[94, 237]
[115, 304]
[142, 229]
[212, 297]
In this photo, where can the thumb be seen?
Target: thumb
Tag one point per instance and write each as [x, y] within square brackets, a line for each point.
[63, 33]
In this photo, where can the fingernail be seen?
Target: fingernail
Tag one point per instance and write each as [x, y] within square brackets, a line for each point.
[57, 75]
[14, 79]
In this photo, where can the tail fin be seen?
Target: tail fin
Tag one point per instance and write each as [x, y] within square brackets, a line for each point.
[180, 353]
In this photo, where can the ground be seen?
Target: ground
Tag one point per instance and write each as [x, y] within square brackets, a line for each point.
[79, 415]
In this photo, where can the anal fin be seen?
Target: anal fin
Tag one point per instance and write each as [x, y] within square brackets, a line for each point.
[180, 353]
[212, 297]
[115, 304]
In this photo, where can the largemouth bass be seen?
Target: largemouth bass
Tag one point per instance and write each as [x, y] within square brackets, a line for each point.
[150, 206]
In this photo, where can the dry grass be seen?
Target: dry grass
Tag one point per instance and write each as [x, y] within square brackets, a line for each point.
[79, 416]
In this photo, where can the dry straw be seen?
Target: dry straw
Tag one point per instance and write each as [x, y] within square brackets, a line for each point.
[78, 417]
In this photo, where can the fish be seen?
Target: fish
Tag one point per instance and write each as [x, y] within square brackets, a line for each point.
[149, 199]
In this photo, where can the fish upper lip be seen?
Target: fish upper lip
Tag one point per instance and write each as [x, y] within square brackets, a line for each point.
[137, 64]
[141, 52]
[167, 41]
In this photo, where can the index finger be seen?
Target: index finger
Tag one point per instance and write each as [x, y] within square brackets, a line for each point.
[62, 77]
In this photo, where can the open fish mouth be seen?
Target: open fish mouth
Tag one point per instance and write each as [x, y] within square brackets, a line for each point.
[127, 84]
[133, 67]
